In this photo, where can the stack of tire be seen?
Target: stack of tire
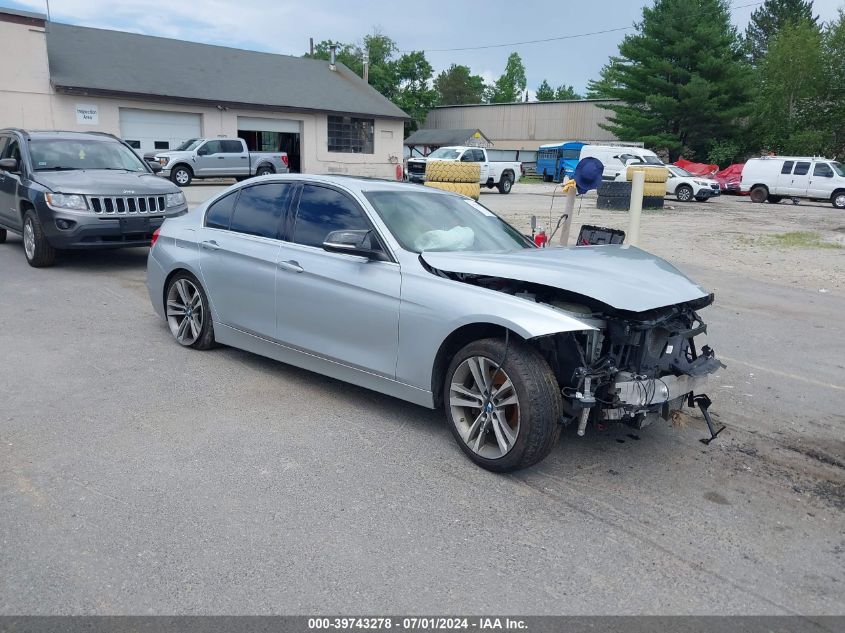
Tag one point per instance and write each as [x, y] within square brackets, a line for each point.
[454, 176]
[617, 195]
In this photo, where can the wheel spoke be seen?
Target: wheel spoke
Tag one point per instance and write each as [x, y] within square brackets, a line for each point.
[475, 429]
[463, 397]
[183, 328]
[478, 375]
[504, 434]
[195, 330]
[504, 395]
[174, 308]
[183, 292]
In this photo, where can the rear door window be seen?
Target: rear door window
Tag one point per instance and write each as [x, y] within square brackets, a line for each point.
[219, 214]
[801, 169]
[323, 210]
[260, 209]
[231, 147]
[787, 167]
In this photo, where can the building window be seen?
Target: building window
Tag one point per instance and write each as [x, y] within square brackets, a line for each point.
[134, 144]
[350, 135]
[162, 144]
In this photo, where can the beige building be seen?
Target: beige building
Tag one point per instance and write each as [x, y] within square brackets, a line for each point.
[156, 93]
[526, 126]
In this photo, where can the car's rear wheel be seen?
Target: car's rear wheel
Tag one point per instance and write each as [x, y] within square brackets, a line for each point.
[759, 194]
[838, 200]
[684, 193]
[503, 418]
[264, 170]
[39, 252]
[181, 176]
[188, 314]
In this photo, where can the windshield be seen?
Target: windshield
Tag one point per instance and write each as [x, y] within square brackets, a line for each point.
[651, 160]
[423, 221]
[678, 171]
[57, 154]
[188, 145]
[838, 168]
[445, 152]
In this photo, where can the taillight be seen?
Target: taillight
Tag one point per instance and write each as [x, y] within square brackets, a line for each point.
[285, 160]
[155, 237]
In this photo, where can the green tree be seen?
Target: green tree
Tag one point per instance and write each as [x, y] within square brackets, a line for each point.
[566, 93]
[602, 87]
[791, 108]
[457, 85]
[684, 84]
[770, 19]
[510, 86]
[834, 49]
[413, 92]
[545, 92]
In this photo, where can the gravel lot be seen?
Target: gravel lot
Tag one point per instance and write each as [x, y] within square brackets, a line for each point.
[137, 477]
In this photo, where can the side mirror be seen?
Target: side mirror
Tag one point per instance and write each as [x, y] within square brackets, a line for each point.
[355, 242]
[9, 164]
[154, 165]
[202, 151]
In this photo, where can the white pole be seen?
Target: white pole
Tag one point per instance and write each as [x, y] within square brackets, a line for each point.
[568, 209]
[636, 208]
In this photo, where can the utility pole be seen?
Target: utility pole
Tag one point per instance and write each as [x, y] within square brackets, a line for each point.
[311, 46]
[366, 57]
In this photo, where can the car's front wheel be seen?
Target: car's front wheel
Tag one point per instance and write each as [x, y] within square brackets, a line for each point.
[504, 418]
[188, 314]
[684, 193]
[181, 176]
[39, 252]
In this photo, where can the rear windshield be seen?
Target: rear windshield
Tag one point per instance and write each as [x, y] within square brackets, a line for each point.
[59, 154]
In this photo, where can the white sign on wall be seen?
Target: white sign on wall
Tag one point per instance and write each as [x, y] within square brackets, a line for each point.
[87, 114]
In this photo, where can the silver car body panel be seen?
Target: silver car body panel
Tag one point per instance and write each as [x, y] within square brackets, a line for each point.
[623, 277]
[386, 320]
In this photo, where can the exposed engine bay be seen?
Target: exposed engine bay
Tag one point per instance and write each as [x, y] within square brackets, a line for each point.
[634, 368]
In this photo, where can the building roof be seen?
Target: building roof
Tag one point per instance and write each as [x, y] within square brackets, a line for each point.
[98, 61]
[443, 137]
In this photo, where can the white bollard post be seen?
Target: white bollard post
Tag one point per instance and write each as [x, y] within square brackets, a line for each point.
[568, 209]
[636, 208]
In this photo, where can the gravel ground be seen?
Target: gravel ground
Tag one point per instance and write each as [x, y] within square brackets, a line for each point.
[137, 477]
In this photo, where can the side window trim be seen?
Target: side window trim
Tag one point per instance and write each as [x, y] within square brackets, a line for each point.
[294, 212]
[280, 228]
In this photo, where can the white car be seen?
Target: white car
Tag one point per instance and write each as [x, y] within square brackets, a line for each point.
[773, 178]
[684, 185]
[498, 173]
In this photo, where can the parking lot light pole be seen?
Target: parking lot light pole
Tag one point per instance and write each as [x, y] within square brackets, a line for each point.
[636, 208]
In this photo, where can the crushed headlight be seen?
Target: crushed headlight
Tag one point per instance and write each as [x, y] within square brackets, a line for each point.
[66, 201]
[175, 199]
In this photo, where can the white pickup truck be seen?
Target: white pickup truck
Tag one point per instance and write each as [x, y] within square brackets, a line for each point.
[501, 174]
[218, 158]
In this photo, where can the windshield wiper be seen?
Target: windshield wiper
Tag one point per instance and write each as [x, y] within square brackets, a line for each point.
[57, 168]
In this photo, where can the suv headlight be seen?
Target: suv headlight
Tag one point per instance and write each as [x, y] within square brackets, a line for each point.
[175, 199]
[66, 201]
[703, 183]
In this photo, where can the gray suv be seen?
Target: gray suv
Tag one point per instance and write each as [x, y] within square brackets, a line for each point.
[79, 190]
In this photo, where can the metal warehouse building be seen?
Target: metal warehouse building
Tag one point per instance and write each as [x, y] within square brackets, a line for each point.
[155, 93]
[526, 126]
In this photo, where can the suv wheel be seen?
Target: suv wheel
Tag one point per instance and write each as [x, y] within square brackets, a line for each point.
[502, 419]
[264, 171]
[188, 316]
[505, 183]
[684, 193]
[39, 252]
[838, 200]
[181, 176]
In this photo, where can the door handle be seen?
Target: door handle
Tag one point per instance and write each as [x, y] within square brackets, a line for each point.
[220, 157]
[210, 245]
[291, 266]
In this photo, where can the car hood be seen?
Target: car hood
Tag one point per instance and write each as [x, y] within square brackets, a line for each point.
[104, 182]
[623, 277]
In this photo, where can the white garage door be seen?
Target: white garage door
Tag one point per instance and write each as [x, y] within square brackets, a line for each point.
[151, 130]
[259, 124]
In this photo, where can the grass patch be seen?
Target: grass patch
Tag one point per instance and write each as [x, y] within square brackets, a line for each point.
[532, 179]
[800, 239]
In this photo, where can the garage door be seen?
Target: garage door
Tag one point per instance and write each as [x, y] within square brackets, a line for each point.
[260, 124]
[150, 130]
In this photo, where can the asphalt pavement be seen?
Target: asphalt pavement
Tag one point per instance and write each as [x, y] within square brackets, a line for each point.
[139, 477]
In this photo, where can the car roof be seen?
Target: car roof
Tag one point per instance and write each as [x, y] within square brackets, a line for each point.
[358, 184]
[68, 134]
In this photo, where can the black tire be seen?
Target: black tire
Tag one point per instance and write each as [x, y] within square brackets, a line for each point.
[684, 193]
[264, 170]
[773, 199]
[40, 254]
[614, 189]
[2, 235]
[653, 202]
[181, 175]
[546, 178]
[505, 183]
[759, 194]
[838, 199]
[539, 406]
[615, 203]
[205, 337]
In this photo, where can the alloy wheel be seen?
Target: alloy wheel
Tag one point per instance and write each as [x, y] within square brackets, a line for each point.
[839, 201]
[181, 177]
[484, 407]
[29, 239]
[185, 311]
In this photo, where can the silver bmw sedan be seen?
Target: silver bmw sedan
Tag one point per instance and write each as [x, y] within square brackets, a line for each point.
[430, 297]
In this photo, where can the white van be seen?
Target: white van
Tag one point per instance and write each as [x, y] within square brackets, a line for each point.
[773, 178]
[614, 157]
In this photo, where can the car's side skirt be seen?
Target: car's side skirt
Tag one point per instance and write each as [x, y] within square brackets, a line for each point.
[242, 340]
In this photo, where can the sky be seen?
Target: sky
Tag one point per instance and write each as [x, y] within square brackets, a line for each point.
[284, 26]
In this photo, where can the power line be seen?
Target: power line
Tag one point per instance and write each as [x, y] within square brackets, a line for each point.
[554, 39]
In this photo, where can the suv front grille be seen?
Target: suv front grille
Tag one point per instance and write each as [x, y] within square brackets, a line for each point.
[121, 204]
